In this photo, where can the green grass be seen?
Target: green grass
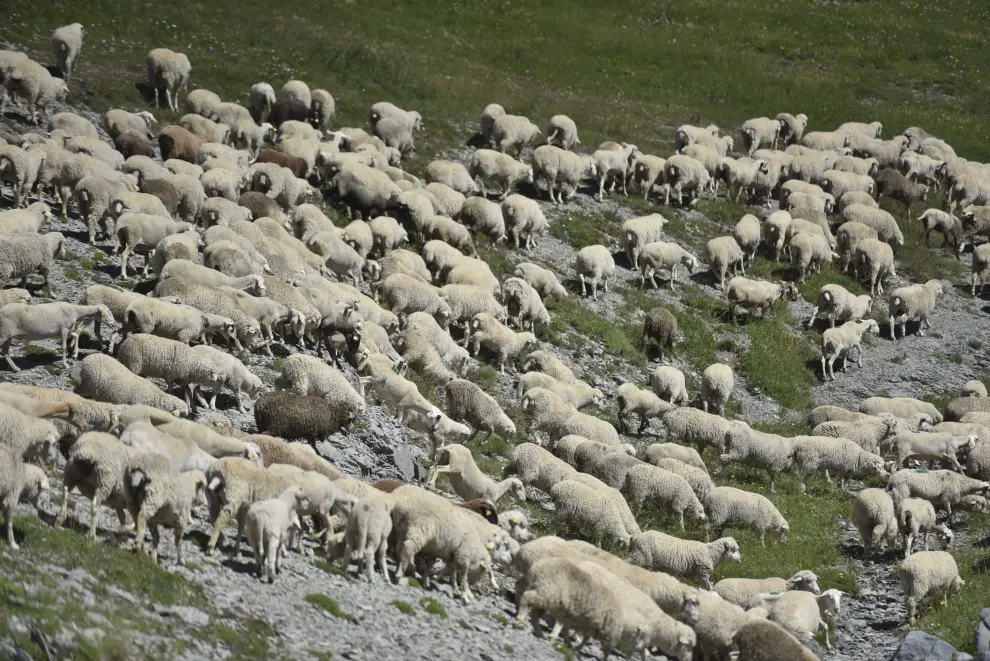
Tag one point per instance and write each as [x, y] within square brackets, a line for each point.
[72, 273]
[495, 256]
[404, 607]
[433, 607]
[618, 339]
[583, 229]
[464, 625]
[329, 605]
[35, 350]
[777, 362]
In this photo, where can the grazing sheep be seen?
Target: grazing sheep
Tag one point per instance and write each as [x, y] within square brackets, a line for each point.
[544, 281]
[834, 455]
[875, 518]
[730, 507]
[752, 294]
[668, 383]
[659, 552]
[660, 328]
[748, 234]
[758, 449]
[913, 303]
[589, 510]
[667, 490]
[867, 431]
[487, 164]
[513, 132]
[931, 446]
[594, 263]
[840, 341]
[837, 303]
[740, 591]
[103, 378]
[874, 260]
[878, 219]
[268, 524]
[562, 170]
[716, 387]
[536, 467]
[917, 517]
[928, 574]
[467, 402]
[723, 254]
[300, 416]
[659, 255]
[943, 488]
[974, 389]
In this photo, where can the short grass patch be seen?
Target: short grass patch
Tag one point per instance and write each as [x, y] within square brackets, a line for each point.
[403, 607]
[329, 605]
[433, 607]
[617, 339]
[777, 362]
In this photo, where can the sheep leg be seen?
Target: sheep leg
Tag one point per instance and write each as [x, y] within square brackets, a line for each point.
[218, 524]
[270, 552]
[155, 541]
[8, 517]
[6, 354]
[123, 261]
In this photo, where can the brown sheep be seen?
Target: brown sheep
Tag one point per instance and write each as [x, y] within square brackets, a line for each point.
[288, 109]
[176, 142]
[260, 205]
[660, 327]
[131, 143]
[297, 165]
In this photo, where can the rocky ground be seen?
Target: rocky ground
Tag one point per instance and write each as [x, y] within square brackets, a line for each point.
[232, 614]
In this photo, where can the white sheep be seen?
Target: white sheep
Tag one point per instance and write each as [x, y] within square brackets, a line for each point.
[690, 425]
[67, 42]
[103, 378]
[913, 303]
[838, 303]
[168, 70]
[487, 164]
[488, 115]
[563, 170]
[838, 342]
[757, 294]
[19, 321]
[931, 446]
[834, 455]
[523, 220]
[760, 131]
[868, 431]
[644, 403]
[544, 281]
[368, 528]
[874, 260]
[917, 517]
[758, 449]
[17, 480]
[594, 264]
[537, 467]
[902, 407]
[659, 552]
[748, 233]
[35, 85]
[157, 495]
[589, 510]
[716, 387]
[668, 383]
[810, 252]
[469, 482]
[734, 508]
[878, 219]
[513, 132]
[684, 173]
[928, 574]
[740, 591]
[268, 524]
[801, 611]
[875, 518]
[723, 254]
[666, 490]
[943, 488]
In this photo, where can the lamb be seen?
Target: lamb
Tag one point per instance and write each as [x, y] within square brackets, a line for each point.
[837, 303]
[469, 482]
[740, 591]
[615, 163]
[368, 528]
[562, 170]
[19, 321]
[716, 387]
[168, 70]
[801, 611]
[913, 303]
[467, 402]
[928, 574]
[730, 507]
[878, 219]
[589, 510]
[536, 467]
[513, 132]
[268, 524]
[661, 487]
[942, 488]
[103, 378]
[875, 260]
[724, 253]
[751, 294]
[594, 263]
[837, 455]
[762, 450]
[916, 516]
[35, 85]
[523, 220]
[840, 341]
[157, 494]
[300, 416]
[933, 446]
[657, 551]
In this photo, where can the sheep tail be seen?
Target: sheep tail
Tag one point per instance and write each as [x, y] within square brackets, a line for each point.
[908, 516]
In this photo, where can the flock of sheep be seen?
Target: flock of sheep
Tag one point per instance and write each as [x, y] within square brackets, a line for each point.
[240, 258]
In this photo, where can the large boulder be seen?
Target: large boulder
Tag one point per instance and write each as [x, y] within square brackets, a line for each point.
[921, 646]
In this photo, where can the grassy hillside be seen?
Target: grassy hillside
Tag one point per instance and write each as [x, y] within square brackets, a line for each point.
[623, 70]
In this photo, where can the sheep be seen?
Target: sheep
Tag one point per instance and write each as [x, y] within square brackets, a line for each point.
[513, 132]
[974, 388]
[306, 375]
[660, 328]
[544, 361]
[943, 488]
[35, 85]
[300, 416]
[168, 319]
[141, 233]
[268, 313]
[523, 220]
[877, 219]
[173, 361]
[467, 402]
[925, 574]
[523, 304]
[694, 426]
[913, 303]
[502, 341]
[800, 611]
[176, 142]
[837, 303]
[341, 258]
[837, 455]
[536, 467]
[792, 127]
[67, 43]
[826, 140]
[659, 552]
[24, 254]
[365, 190]
[838, 183]
[212, 301]
[647, 171]
[20, 168]
[549, 410]
[74, 126]
[761, 450]
[915, 420]
[368, 528]
[594, 263]
[968, 409]
[25, 220]
[469, 482]
[730, 507]
[562, 131]
[981, 268]
[752, 294]
[875, 518]
[810, 252]
[19, 321]
[562, 170]
[145, 203]
[684, 173]
[388, 235]
[262, 97]
[640, 232]
[268, 524]
[487, 164]
[661, 487]
[103, 378]
[615, 163]
[453, 355]
[722, 254]
[933, 446]
[488, 115]
[452, 174]
[867, 432]
[875, 260]
[916, 516]
[748, 234]
[202, 102]
[895, 185]
[544, 281]
[15, 295]
[740, 591]
[716, 387]
[902, 407]
[856, 165]
[658, 451]
[589, 510]
[855, 197]
[18, 481]
[840, 341]
[760, 131]
[168, 70]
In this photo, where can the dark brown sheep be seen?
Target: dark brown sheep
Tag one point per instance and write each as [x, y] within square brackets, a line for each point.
[176, 142]
[288, 109]
[288, 415]
[893, 184]
[131, 143]
[165, 191]
[297, 165]
[660, 328]
[260, 205]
